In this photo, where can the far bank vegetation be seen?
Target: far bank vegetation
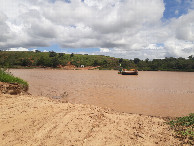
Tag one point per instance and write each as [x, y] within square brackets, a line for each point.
[12, 59]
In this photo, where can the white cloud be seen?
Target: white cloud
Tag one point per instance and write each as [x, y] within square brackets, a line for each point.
[176, 12]
[184, 27]
[18, 49]
[45, 51]
[104, 50]
[130, 28]
[178, 48]
[154, 47]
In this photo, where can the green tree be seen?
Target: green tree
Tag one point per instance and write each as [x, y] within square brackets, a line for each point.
[37, 51]
[55, 62]
[26, 62]
[191, 57]
[136, 60]
[44, 61]
[71, 55]
[120, 60]
[147, 60]
[52, 54]
[96, 63]
[61, 54]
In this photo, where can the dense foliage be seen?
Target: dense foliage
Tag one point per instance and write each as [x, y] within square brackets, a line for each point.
[53, 59]
[7, 77]
[184, 128]
[168, 64]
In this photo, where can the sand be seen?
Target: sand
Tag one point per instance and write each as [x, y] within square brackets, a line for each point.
[34, 120]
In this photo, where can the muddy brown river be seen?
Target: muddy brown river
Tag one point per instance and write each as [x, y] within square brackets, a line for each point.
[149, 93]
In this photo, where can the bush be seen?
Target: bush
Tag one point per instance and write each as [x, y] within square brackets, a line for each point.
[184, 128]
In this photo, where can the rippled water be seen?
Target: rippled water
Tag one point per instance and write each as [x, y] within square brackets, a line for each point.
[149, 93]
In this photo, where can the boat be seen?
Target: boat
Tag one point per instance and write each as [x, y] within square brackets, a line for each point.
[129, 72]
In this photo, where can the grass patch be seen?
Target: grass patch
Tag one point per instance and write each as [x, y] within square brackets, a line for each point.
[9, 78]
[184, 128]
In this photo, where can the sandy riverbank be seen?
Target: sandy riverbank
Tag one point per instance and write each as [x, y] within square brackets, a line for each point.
[33, 120]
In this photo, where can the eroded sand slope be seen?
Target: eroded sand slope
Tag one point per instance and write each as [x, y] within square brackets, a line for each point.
[28, 120]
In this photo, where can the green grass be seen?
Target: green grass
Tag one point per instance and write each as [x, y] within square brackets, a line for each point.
[7, 77]
[184, 128]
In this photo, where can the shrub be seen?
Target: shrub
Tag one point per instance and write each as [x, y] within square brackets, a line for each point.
[184, 128]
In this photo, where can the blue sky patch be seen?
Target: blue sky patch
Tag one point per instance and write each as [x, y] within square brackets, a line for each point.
[176, 8]
[58, 49]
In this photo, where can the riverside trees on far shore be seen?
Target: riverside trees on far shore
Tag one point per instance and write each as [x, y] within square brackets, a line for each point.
[52, 59]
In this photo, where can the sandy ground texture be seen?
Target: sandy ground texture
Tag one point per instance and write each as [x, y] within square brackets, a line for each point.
[30, 120]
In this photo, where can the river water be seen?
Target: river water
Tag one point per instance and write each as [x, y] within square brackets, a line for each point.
[150, 93]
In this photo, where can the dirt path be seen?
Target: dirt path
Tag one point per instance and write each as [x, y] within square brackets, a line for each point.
[30, 120]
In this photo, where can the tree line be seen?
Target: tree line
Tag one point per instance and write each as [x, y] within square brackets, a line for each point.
[54, 60]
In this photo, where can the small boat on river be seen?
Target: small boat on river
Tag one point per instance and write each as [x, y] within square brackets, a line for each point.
[129, 72]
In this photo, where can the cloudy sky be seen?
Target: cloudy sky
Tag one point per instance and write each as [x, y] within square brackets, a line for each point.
[119, 28]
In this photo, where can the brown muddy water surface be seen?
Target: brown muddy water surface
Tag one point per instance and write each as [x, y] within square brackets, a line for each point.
[149, 93]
